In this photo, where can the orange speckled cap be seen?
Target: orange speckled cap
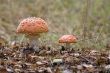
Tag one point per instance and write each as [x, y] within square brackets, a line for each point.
[32, 26]
[67, 39]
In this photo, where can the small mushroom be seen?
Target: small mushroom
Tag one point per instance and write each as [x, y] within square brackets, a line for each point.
[67, 39]
[32, 27]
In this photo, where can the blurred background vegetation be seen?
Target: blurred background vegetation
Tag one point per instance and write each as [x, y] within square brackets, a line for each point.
[89, 20]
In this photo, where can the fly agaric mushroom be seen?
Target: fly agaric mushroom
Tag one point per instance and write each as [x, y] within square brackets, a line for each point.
[32, 27]
[67, 39]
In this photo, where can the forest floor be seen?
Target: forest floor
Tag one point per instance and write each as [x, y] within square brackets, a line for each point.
[21, 58]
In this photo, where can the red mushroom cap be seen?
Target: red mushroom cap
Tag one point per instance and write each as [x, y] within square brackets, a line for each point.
[67, 39]
[32, 26]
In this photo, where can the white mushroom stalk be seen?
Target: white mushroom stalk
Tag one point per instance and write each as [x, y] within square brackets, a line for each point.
[34, 40]
[68, 46]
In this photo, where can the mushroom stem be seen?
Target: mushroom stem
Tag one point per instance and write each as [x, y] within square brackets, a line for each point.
[22, 39]
[67, 45]
[34, 41]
